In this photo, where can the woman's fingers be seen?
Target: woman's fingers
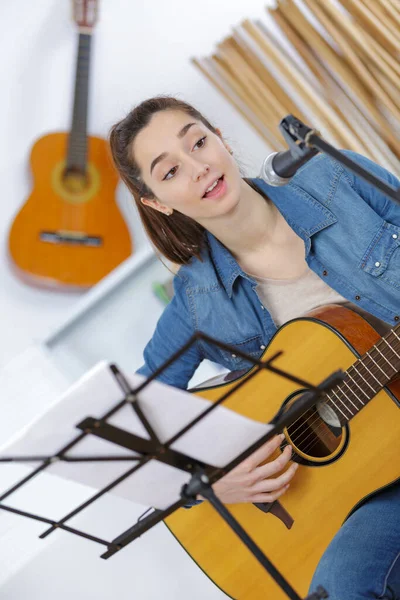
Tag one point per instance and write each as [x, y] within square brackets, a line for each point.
[269, 497]
[262, 453]
[274, 466]
[276, 483]
[253, 479]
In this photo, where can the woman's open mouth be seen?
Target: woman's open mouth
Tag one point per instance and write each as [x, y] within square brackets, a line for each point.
[219, 188]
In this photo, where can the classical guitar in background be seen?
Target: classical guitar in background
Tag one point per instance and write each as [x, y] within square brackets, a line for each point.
[70, 233]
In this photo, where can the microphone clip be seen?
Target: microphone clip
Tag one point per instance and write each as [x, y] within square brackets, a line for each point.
[293, 130]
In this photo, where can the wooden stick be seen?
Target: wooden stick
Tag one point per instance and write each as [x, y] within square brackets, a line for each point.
[209, 70]
[383, 18]
[334, 94]
[327, 56]
[254, 87]
[296, 41]
[351, 94]
[326, 84]
[241, 87]
[355, 35]
[266, 76]
[314, 38]
[319, 105]
[392, 10]
[388, 58]
[357, 64]
[364, 15]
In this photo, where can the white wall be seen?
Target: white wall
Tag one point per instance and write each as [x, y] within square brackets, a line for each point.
[140, 49]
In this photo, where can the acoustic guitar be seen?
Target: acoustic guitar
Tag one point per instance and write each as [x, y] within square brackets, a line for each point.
[347, 447]
[70, 232]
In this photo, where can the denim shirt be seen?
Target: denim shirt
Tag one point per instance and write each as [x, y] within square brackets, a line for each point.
[351, 235]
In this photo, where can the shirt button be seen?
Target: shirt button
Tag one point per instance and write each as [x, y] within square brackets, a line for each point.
[394, 236]
[396, 318]
[262, 307]
[357, 297]
[325, 272]
[377, 264]
[233, 355]
[262, 347]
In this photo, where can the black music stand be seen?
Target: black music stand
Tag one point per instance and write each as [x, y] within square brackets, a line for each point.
[202, 474]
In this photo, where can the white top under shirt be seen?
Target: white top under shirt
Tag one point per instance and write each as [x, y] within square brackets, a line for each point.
[287, 299]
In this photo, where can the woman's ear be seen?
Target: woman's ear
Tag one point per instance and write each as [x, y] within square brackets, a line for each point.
[156, 205]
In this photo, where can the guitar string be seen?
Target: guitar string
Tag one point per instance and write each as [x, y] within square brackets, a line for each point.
[352, 390]
[365, 377]
[320, 426]
[354, 393]
[320, 420]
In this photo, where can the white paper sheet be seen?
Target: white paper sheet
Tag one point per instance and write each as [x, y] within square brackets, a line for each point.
[216, 439]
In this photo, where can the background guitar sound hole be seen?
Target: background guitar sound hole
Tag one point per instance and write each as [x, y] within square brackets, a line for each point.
[75, 180]
[313, 437]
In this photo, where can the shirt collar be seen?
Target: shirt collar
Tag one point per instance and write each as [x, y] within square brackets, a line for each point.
[304, 214]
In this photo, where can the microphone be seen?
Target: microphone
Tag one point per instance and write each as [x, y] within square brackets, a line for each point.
[279, 167]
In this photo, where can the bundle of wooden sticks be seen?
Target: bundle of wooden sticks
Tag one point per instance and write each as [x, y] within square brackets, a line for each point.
[334, 64]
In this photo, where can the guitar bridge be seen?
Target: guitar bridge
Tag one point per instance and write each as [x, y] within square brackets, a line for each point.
[70, 238]
[276, 509]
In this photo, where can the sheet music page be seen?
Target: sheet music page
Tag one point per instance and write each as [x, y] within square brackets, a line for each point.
[216, 439]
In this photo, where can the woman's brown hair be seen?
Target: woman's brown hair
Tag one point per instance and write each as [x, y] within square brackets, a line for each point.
[177, 237]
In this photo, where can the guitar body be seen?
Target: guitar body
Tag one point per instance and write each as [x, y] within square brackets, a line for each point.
[70, 232]
[331, 479]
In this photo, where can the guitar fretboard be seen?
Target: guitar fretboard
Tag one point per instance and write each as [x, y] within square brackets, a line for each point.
[366, 377]
[77, 143]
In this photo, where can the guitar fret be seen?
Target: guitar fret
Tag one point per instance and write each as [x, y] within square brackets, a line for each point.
[377, 365]
[366, 395]
[77, 144]
[345, 395]
[370, 372]
[389, 363]
[345, 416]
[392, 349]
[359, 381]
[333, 391]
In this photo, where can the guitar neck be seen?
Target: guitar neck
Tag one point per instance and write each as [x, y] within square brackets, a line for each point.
[77, 142]
[367, 376]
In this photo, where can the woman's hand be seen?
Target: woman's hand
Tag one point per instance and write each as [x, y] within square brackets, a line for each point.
[252, 481]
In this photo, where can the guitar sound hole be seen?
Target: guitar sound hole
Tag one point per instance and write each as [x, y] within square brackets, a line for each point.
[75, 180]
[312, 436]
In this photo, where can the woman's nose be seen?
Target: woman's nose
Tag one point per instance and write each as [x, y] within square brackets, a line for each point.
[200, 171]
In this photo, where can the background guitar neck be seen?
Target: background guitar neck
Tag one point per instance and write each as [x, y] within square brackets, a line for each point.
[77, 139]
[85, 17]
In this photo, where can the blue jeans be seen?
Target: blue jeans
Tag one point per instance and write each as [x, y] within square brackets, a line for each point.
[363, 559]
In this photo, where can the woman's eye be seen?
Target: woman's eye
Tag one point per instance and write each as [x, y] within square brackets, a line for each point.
[201, 141]
[172, 172]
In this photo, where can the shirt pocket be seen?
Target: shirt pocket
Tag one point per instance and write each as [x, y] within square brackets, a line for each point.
[382, 258]
[252, 347]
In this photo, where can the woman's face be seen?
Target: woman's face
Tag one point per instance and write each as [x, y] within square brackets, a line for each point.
[180, 159]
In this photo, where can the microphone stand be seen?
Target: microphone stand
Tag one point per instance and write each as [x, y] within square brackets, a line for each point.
[311, 143]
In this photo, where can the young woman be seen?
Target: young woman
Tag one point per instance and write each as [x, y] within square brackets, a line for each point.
[254, 256]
